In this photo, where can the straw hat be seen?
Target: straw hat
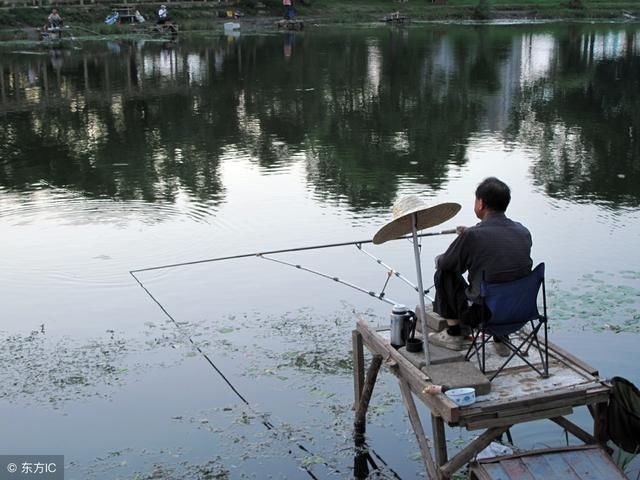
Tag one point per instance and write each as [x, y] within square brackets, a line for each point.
[428, 216]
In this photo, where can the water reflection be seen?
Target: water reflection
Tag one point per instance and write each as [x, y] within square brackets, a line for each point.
[362, 111]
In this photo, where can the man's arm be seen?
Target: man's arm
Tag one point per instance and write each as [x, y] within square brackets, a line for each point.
[456, 258]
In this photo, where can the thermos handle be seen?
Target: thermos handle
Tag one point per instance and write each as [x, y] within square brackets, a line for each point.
[414, 320]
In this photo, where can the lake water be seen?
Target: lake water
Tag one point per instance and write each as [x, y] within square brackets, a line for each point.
[125, 154]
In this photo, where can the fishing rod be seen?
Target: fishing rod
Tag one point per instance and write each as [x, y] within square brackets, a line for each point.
[284, 250]
[87, 30]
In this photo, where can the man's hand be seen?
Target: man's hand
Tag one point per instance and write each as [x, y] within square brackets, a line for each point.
[460, 229]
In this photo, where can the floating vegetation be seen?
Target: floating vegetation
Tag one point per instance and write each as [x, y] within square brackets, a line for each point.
[52, 370]
[55, 371]
[598, 302]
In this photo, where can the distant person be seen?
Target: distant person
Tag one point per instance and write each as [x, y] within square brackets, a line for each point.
[54, 20]
[138, 16]
[113, 18]
[288, 9]
[163, 15]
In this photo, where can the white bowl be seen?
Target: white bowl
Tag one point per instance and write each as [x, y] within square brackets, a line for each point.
[462, 396]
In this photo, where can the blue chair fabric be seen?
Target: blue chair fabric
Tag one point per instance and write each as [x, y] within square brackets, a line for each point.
[512, 306]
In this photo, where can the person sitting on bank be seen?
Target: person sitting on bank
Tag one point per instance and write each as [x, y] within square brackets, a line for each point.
[497, 250]
[163, 15]
[54, 20]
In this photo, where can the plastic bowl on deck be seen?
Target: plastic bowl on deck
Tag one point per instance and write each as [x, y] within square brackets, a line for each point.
[462, 396]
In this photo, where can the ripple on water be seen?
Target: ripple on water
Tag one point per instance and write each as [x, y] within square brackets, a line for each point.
[99, 257]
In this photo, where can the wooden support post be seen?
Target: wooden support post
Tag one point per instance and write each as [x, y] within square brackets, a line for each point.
[600, 431]
[439, 439]
[471, 450]
[574, 429]
[414, 418]
[358, 367]
[370, 381]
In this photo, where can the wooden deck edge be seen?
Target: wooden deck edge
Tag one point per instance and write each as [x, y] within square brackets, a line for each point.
[541, 411]
[572, 359]
[518, 419]
[592, 389]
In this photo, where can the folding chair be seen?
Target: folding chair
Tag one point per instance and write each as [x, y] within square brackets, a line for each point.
[513, 305]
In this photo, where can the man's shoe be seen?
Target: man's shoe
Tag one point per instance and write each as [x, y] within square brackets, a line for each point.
[501, 349]
[452, 342]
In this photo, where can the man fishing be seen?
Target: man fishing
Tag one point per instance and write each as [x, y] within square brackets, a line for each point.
[497, 250]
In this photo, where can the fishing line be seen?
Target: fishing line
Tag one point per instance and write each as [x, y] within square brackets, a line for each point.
[284, 250]
[391, 271]
[164, 310]
[268, 425]
[379, 296]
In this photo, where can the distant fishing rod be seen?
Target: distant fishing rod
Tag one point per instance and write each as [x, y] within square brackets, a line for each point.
[86, 30]
[285, 250]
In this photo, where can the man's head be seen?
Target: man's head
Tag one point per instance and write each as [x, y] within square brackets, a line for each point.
[54, 11]
[492, 195]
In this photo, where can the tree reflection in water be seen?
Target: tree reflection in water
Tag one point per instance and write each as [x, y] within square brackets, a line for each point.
[363, 110]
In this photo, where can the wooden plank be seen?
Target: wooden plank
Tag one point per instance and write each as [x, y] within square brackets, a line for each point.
[496, 472]
[414, 418]
[572, 463]
[574, 429]
[593, 464]
[361, 412]
[499, 421]
[440, 440]
[560, 467]
[538, 467]
[471, 450]
[358, 366]
[516, 469]
[417, 380]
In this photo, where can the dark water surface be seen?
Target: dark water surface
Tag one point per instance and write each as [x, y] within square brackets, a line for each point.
[117, 155]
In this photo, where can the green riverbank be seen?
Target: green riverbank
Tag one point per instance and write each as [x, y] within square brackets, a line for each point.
[14, 22]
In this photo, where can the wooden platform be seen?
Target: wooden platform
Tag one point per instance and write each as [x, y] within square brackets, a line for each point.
[589, 462]
[290, 24]
[517, 395]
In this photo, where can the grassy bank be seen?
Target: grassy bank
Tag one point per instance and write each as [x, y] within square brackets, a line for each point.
[200, 16]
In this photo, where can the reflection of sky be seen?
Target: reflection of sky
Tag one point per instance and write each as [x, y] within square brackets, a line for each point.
[537, 52]
[374, 66]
